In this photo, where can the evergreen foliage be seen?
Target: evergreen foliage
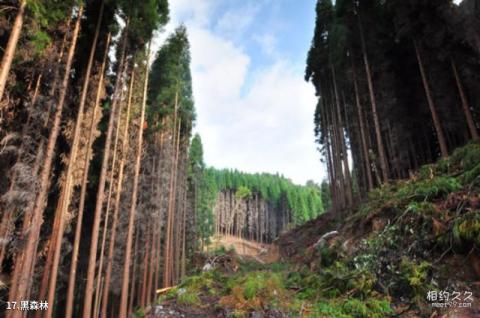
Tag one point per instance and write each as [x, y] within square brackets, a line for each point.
[172, 80]
[367, 60]
[305, 202]
[203, 188]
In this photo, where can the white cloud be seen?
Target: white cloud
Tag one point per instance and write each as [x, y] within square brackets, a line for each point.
[265, 128]
[267, 43]
[234, 23]
[219, 68]
[270, 129]
[196, 12]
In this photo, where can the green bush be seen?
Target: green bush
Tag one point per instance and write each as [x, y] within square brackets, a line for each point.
[467, 229]
[416, 275]
[328, 309]
[261, 282]
[355, 308]
[139, 313]
[426, 190]
[471, 175]
[379, 308]
[188, 298]
[466, 158]
[421, 208]
[352, 308]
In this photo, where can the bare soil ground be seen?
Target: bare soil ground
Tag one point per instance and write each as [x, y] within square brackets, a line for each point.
[263, 253]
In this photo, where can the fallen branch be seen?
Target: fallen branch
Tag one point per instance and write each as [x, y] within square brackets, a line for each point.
[323, 239]
[164, 290]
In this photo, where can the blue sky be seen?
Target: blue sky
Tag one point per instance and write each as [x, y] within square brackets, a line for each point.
[254, 110]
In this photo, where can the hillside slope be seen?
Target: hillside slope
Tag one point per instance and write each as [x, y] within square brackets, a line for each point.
[402, 253]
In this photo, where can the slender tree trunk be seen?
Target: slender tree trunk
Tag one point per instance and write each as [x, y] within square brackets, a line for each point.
[146, 258]
[83, 190]
[26, 224]
[50, 257]
[168, 237]
[174, 201]
[105, 222]
[87, 305]
[134, 275]
[326, 132]
[107, 216]
[183, 260]
[6, 225]
[339, 178]
[431, 104]
[67, 189]
[160, 215]
[368, 169]
[111, 248]
[465, 105]
[378, 133]
[33, 234]
[151, 265]
[346, 168]
[133, 207]
[178, 225]
[9, 52]
[56, 71]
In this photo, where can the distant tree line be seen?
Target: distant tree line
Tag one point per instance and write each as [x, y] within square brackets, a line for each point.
[296, 204]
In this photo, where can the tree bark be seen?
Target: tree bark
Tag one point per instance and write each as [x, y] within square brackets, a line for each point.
[184, 259]
[133, 207]
[134, 275]
[87, 305]
[107, 216]
[339, 179]
[111, 247]
[168, 237]
[153, 245]
[66, 193]
[466, 107]
[373, 101]
[326, 132]
[47, 269]
[105, 223]
[433, 110]
[346, 168]
[11, 47]
[33, 232]
[146, 259]
[6, 226]
[160, 216]
[83, 190]
[368, 169]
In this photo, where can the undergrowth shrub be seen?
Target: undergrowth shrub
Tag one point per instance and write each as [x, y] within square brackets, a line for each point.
[255, 291]
[416, 276]
[466, 230]
[352, 308]
[462, 159]
[425, 190]
[139, 313]
[188, 297]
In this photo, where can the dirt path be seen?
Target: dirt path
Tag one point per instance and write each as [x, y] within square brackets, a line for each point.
[263, 253]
